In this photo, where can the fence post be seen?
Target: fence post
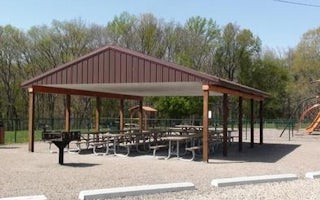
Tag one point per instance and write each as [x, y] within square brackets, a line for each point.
[2, 133]
[15, 131]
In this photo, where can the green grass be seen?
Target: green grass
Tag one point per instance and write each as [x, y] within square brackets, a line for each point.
[20, 136]
[23, 137]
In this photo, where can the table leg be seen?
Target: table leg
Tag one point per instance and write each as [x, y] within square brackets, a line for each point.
[137, 140]
[114, 146]
[169, 150]
[107, 146]
[177, 148]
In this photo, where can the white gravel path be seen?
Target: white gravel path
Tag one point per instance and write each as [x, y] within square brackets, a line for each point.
[23, 173]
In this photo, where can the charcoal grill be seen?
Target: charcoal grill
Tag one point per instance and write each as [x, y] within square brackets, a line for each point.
[61, 140]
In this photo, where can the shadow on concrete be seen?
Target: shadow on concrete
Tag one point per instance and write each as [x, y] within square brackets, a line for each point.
[80, 165]
[269, 153]
[86, 151]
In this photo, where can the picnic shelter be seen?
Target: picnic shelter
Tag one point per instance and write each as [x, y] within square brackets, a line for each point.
[120, 73]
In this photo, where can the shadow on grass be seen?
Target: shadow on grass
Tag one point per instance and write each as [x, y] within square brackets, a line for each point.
[269, 153]
[80, 165]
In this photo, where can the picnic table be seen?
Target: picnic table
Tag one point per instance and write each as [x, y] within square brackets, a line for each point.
[178, 139]
[112, 140]
[189, 127]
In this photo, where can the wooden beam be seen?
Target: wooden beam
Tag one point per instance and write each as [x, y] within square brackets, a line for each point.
[240, 123]
[261, 121]
[251, 123]
[205, 124]
[223, 90]
[225, 124]
[57, 90]
[98, 109]
[121, 114]
[31, 119]
[67, 113]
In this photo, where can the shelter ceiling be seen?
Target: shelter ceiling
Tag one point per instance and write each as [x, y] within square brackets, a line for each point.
[143, 89]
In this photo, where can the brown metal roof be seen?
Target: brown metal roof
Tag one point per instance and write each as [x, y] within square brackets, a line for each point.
[117, 70]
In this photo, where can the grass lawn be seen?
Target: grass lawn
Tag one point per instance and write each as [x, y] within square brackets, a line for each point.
[20, 136]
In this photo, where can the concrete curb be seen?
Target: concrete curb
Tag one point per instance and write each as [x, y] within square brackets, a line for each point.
[134, 190]
[252, 180]
[37, 197]
[313, 175]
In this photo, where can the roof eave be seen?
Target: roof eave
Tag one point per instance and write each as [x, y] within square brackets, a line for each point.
[243, 88]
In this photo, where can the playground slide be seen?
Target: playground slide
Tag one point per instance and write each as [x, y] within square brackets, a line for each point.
[313, 124]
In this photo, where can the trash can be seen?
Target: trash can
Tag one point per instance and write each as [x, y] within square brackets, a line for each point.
[1, 132]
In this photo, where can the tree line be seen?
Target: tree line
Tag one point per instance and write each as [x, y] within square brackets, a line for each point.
[227, 51]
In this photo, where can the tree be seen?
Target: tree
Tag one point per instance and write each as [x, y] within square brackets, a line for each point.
[121, 30]
[236, 52]
[178, 107]
[13, 42]
[150, 36]
[198, 41]
[228, 52]
[306, 64]
[270, 74]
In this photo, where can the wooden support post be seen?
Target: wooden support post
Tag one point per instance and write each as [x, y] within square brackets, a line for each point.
[251, 123]
[98, 109]
[141, 115]
[205, 149]
[145, 117]
[240, 123]
[121, 114]
[67, 113]
[225, 124]
[261, 121]
[31, 119]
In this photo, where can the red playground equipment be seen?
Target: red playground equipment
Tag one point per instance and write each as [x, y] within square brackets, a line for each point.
[312, 113]
[315, 124]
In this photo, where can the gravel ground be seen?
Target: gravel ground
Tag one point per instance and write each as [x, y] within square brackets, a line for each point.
[23, 173]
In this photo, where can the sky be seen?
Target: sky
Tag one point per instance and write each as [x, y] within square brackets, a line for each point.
[278, 24]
